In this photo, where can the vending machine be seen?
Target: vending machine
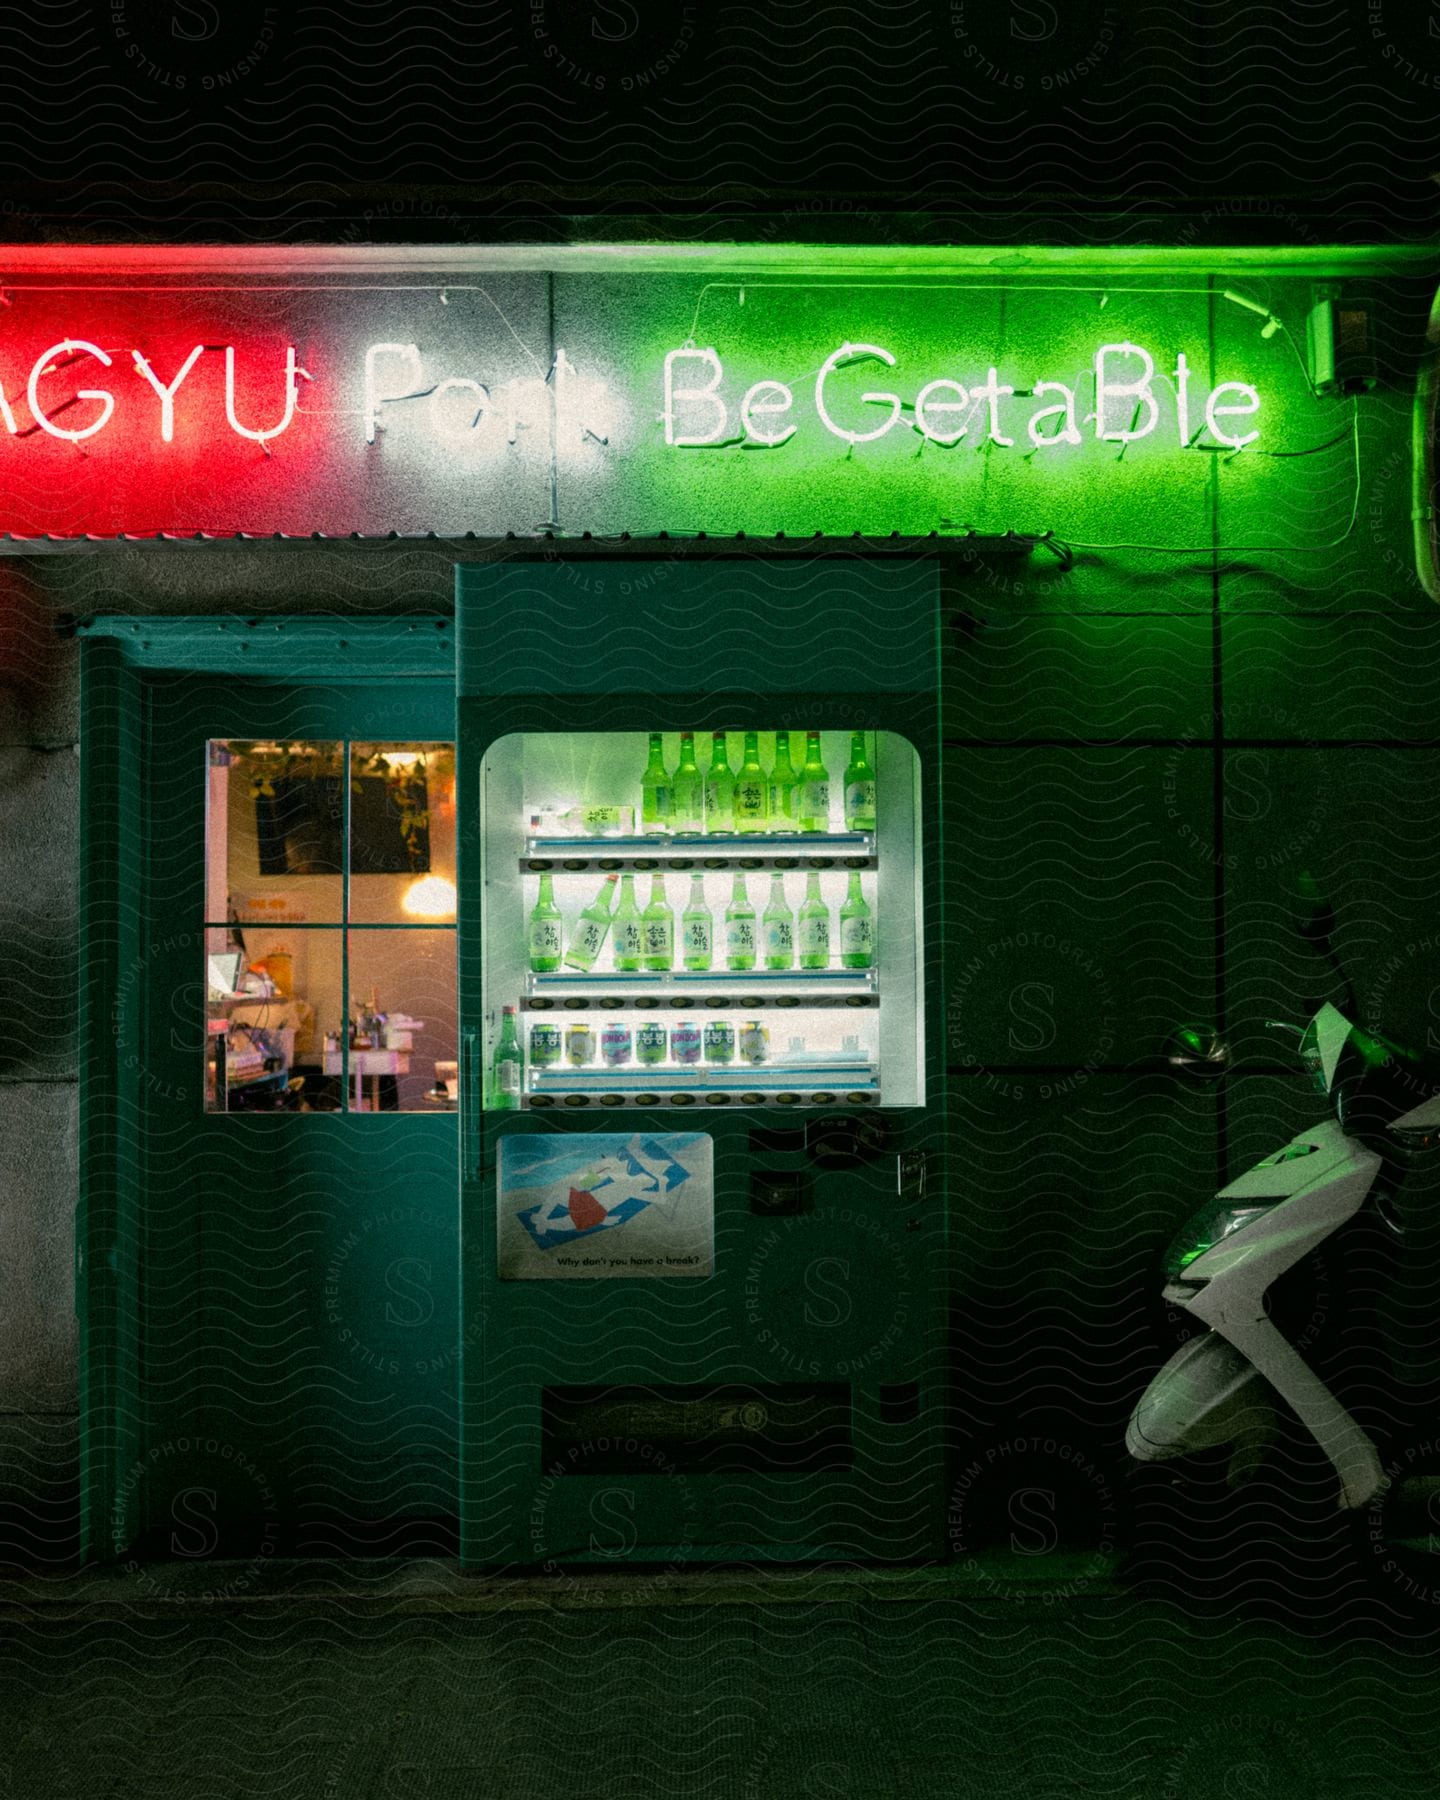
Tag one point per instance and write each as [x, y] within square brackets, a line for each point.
[702, 1098]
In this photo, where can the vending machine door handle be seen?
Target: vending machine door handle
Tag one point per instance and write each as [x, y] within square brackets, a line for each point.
[469, 1103]
[910, 1172]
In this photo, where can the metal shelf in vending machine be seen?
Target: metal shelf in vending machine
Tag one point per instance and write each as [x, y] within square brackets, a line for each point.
[644, 990]
[763, 851]
[853, 1081]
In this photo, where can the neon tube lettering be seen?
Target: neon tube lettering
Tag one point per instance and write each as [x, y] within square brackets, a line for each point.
[837, 359]
[1215, 409]
[924, 406]
[167, 394]
[259, 437]
[1138, 390]
[990, 391]
[410, 354]
[41, 367]
[766, 399]
[1069, 432]
[1182, 399]
[574, 397]
[707, 394]
[457, 384]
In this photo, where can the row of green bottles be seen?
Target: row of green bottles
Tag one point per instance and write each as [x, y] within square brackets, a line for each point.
[726, 802]
[646, 939]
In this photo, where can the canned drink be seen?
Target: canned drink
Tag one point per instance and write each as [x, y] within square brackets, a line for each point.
[754, 1042]
[579, 1045]
[544, 1046]
[685, 1042]
[650, 1043]
[719, 1041]
[615, 1044]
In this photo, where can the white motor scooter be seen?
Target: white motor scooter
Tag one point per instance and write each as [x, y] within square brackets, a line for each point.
[1221, 1387]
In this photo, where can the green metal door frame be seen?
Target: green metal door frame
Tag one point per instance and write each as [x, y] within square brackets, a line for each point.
[118, 654]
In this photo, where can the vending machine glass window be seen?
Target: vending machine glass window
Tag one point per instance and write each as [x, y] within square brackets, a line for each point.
[702, 919]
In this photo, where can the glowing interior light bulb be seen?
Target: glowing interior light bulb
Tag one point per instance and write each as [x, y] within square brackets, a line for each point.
[431, 897]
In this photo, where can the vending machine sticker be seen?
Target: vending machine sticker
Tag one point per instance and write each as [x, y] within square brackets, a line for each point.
[577, 1205]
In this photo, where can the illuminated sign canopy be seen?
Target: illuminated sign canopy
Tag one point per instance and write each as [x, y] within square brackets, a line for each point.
[611, 402]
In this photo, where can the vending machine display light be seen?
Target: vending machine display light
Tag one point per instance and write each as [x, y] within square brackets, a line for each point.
[721, 908]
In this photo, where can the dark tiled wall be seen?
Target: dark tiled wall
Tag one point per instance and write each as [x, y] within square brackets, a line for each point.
[1132, 790]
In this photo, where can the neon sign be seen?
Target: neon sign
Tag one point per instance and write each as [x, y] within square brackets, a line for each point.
[617, 406]
[456, 409]
[69, 351]
[1122, 396]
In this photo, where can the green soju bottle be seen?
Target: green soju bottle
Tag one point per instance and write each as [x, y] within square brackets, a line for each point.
[697, 928]
[779, 927]
[628, 943]
[739, 928]
[591, 929]
[659, 927]
[752, 790]
[656, 790]
[719, 790]
[812, 805]
[689, 800]
[814, 933]
[859, 787]
[544, 937]
[857, 929]
[782, 786]
[509, 1065]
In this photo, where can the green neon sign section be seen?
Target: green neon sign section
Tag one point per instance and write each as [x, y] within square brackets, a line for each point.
[1124, 400]
[1163, 414]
